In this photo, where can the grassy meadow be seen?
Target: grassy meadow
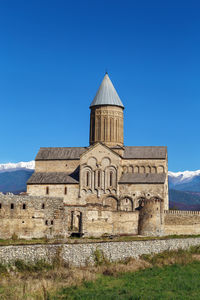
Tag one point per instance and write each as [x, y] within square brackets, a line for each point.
[167, 275]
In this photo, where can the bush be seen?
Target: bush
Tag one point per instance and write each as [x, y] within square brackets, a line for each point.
[32, 267]
[99, 258]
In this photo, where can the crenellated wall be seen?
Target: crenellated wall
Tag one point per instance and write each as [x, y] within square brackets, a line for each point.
[181, 222]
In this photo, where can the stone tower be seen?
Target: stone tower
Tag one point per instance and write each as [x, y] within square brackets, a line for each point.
[151, 217]
[106, 116]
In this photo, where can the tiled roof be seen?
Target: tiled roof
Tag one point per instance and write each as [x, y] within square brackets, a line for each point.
[52, 178]
[142, 178]
[151, 152]
[50, 153]
[130, 152]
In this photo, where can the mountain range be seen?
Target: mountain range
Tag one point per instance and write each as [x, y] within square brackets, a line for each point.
[184, 187]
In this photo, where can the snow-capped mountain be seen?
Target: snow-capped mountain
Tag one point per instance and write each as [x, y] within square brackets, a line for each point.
[10, 167]
[13, 176]
[185, 181]
[183, 177]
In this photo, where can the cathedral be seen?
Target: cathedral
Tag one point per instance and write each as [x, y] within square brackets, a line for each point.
[107, 188]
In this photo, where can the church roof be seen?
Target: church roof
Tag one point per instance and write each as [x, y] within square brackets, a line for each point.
[142, 178]
[106, 94]
[130, 152]
[145, 152]
[51, 153]
[52, 178]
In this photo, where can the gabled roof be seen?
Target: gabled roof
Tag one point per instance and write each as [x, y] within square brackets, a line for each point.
[51, 153]
[145, 152]
[106, 94]
[90, 148]
[52, 178]
[142, 178]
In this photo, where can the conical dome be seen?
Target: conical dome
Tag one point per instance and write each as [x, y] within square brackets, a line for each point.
[106, 94]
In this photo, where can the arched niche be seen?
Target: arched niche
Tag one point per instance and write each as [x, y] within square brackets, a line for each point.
[136, 169]
[142, 170]
[92, 162]
[125, 169]
[153, 170]
[130, 169]
[148, 169]
[105, 162]
[160, 169]
[111, 203]
[126, 204]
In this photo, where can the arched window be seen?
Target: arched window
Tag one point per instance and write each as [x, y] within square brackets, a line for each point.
[43, 206]
[87, 178]
[47, 190]
[111, 178]
[99, 178]
[24, 206]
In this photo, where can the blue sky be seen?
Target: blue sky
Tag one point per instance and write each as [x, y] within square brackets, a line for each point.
[53, 56]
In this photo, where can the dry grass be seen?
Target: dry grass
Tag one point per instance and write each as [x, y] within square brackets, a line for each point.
[24, 284]
[41, 280]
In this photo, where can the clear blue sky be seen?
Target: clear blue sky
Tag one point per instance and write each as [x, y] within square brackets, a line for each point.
[53, 56]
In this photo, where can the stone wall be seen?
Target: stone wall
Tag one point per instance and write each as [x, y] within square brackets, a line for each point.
[31, 217]
[69, 192]
[182, 222]
[103, 222]
[82, 254]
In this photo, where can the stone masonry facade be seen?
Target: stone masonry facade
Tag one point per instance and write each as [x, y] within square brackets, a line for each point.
[106, 188]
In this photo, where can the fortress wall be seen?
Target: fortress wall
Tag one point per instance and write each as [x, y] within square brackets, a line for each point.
[82, 254]
[31, 217]
[100, 222]
[182, 222]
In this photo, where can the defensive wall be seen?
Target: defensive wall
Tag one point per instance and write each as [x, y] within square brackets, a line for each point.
[39, 216]
[84, 254]
[181, 222]
[31, 217]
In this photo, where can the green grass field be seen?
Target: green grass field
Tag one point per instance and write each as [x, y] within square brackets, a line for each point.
[168, 282]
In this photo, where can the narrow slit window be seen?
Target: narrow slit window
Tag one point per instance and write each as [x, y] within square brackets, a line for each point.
[99, 179]
[72, 220]
[65, 191]
[47, 190]
[51, 222]
[0, 205]
[46, 222]
[24, 206]
[111, 178]
[87, 178]
[43, 206]
[12, 205]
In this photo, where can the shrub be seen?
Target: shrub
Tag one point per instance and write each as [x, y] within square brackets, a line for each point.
[99, 258]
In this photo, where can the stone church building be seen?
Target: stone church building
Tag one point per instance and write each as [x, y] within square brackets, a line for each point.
[107, 187]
